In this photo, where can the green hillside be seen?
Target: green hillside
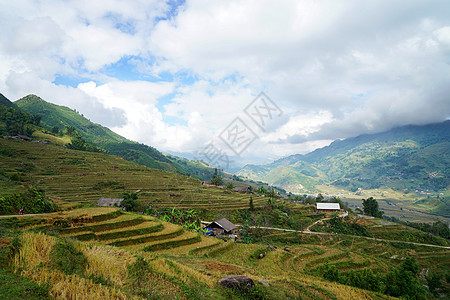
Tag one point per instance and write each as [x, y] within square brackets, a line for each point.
[60, 117]
[5, 102]
[76, 178]
[104, 253]
[407, 159]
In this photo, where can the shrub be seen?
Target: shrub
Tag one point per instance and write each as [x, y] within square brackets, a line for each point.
[33, 200]
[66, 258]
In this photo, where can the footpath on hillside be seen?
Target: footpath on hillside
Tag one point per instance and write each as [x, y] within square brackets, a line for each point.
[25, 215]
[308, 231]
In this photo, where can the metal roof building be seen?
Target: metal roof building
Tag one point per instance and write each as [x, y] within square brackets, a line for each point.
[221, 226]
[109, 201]
[328, 206]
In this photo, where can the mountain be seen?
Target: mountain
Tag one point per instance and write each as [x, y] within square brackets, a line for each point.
[62, 117]
[14, 121]
[411, 157]
[58, 118]
[6, 102]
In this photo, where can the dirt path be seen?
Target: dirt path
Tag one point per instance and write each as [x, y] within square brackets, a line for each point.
[307, 231]
[25, 215]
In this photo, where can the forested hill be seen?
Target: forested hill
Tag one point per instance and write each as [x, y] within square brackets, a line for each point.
[424, 136]
[60, 119]
[405, 158]
[5, 102]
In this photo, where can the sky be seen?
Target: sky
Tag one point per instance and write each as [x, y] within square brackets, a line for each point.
[232, 82]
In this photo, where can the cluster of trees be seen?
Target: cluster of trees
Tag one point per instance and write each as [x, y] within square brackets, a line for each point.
[129, 201]
[403, 281]
[345, 226]
[187, 218]
[370, 207]
[33, 201]
[79, 143]
[17, 122]
[217, 179]
[438, 228]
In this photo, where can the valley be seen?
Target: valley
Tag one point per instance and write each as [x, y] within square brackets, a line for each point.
[66, 246]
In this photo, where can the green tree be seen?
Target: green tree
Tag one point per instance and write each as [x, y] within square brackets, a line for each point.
[70, 130]
[252, 206]
[55, 129]
[370, 207]
[129, 201]
[217, 179]
[230, 185]
[434, 283]
[330, 272]
[404, 280]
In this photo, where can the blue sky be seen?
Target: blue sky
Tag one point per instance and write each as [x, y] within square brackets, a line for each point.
[175, 74]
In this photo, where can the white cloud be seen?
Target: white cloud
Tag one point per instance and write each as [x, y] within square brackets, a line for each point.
[336, 68]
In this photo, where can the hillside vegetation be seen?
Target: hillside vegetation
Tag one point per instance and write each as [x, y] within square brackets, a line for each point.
[103, 253]
[60, 118]
[289, 250]
[74, 178]
[411, 159]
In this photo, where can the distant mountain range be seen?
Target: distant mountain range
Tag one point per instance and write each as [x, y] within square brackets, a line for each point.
[404, 158]
[61, 117]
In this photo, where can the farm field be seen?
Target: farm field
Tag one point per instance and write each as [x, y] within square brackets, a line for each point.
[126, 255]
[75, 178]
[179, 262]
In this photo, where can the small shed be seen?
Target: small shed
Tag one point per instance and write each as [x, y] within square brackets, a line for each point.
[221, 227]
[328, 207]
[109, 202]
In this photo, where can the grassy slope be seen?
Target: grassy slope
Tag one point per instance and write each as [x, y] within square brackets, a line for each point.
[6, 102]
[290, 272]
[410, 157]
[62, 117]
[72, 178]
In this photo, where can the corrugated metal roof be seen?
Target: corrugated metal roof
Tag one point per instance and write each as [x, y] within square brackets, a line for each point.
[109, 201]
[328, 206]
[225, 224]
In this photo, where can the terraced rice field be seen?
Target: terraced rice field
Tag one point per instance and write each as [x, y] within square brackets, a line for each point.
[295, 268]
[75, 178]
[130, 231]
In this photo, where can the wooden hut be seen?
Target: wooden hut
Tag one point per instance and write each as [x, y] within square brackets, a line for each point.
[221, 227]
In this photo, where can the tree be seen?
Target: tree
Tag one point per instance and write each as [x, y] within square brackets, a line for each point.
[252, 206]
[370, 207]
[404, 281]
[217, 179]
[129, 201]
[434, 283]
[70, 130]
[330, 272]
[230, 185]
[55, 129]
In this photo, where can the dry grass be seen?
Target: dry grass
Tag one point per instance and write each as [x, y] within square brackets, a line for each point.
[110, 262]
[35, 250]
[74, 287]
[168, 228]
[34, 255]
[205, 242]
